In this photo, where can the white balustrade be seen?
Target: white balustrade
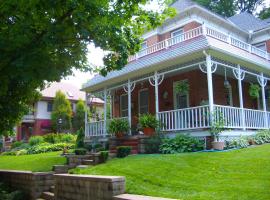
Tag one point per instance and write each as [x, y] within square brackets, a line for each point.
[216, 34]
[230, 115]
[259, 52]
[254, 119]
[183, 119]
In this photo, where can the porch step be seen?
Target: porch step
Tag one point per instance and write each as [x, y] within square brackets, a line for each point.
[132, 147]
[88, 162]
[130, 143]
[82, 166]
[59, 169]
[47, 195]
[52, 189]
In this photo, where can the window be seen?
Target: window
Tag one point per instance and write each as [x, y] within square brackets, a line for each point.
[180, 100]
[228, 96]
[144, 45]
[124, 105]
[261, 46]
[143, 101]
[177, 32]
[49, 106]
[143, 51]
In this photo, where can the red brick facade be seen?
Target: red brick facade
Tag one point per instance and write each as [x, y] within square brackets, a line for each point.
[268, 45]
[198, 92]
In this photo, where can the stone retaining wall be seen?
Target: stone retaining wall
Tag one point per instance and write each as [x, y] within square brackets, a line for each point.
[33, 184]
[86, 187]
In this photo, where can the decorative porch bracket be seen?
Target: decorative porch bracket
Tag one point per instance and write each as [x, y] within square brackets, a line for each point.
[239, 74]
[263, 82]
[155, 81]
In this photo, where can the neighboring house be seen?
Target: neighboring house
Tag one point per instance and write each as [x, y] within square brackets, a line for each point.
[217, 58]
[38, 121]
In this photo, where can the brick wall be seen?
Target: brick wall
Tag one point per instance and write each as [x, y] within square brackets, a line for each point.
[85, 187]
[33, 184]
[268, 46]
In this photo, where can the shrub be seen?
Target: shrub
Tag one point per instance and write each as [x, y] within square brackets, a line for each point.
[80, 151]
[58, 138]
[152, 144]
[9, 153]
[80, 139]
[241, 142]
[123, 151]
[7, 194]
[35, 140]
[104, 155]
[262, 137]
[16, 144]
[21, 152]
[148, 121]
[118, 126]
[180, 144]
[45, 147]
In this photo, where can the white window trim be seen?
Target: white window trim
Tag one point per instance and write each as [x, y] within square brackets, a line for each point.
[174, 94]
[144, 42]
[179, 29]
[121, 104]
[139, 94]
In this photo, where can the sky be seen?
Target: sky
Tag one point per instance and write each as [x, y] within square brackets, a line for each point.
[95, 56]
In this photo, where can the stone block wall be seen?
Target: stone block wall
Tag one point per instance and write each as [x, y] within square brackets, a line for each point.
[33, 184]
[86, 187]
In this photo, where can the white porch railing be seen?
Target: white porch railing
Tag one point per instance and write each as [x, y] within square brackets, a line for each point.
[231, 115]
[254, 119]
[209, 31]
[96, 129]
[183, 119]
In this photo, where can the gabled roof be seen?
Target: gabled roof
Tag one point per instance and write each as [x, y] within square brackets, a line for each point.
[248, 22]
[181, 5]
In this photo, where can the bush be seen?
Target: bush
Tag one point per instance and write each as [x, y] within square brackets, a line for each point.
[148, 121]
[45, 147]
[123, 151]
[59, 138]
[80, 139]
[21, 152]
[35, 140]
[241, 142]
[118, 126]
[9, 153]
[152, 144]
[104, 155]
[16, 144]
[7, 194]
[180, 144]
[262, 137]
[80, 151]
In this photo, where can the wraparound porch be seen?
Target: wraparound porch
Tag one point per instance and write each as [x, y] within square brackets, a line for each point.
[242, 114]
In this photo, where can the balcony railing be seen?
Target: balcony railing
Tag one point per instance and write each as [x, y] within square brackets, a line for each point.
[202, 30]
[28, 117]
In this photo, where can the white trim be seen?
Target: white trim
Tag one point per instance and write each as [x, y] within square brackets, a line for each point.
[139, 95]
[177, 30]
[261, 43]
[174, 94]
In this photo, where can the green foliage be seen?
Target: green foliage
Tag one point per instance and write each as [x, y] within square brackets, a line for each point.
[35, 140]
[37, 48]
[45, 147]
[104, 155]
[265, 13]
[16, 144]
[262, 137]
[60, 137]
[182, 87]
[79, 116]
[148, 121]
[152, 144]
[254, 91]
[80, 151]
[123, 151]
[217, 125]
[7, 193]
[61, 110]
[241, 142]
[118, 126]
[179, 144]
[21, 152]
[80, 139]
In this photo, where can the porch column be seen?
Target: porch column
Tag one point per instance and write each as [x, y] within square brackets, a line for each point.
[85, 115]
[129, 105]
[209, 65]
[105, 112]
[240, 76]
[156, 94]
[262, 81]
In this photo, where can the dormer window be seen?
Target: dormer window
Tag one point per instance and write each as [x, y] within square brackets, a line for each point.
[177, 32]
[261, 46]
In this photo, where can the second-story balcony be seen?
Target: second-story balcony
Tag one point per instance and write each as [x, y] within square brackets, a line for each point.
[30, 117]
[197, 32]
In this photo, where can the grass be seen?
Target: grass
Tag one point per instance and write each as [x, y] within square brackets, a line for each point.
[36, 162]
[235, 175]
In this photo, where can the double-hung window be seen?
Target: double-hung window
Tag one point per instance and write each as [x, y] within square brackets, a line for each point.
[143, 101]
[124, 105]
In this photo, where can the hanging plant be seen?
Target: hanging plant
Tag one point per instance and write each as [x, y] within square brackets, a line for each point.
[254, 91]
[182, 87]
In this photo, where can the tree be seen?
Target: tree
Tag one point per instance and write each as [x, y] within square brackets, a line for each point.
[61, 113]
[79, 116]
[265, 13]
[42, 41]
[248, 5]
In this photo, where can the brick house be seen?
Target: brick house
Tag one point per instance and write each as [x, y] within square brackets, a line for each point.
[38, 121]
[218, 58]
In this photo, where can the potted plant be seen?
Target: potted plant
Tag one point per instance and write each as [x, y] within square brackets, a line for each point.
[118, 127]
[148, 123]
[182, 87]
[217, 126]
[254, 91]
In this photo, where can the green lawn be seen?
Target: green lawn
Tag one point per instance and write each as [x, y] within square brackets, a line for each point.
[234, 175]
[36, 163]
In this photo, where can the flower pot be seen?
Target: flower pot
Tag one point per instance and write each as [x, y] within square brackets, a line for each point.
[148, 131]
[218, 145]
[119, 134]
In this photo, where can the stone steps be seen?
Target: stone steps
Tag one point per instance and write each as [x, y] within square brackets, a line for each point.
[88, 162]
[47, 196]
